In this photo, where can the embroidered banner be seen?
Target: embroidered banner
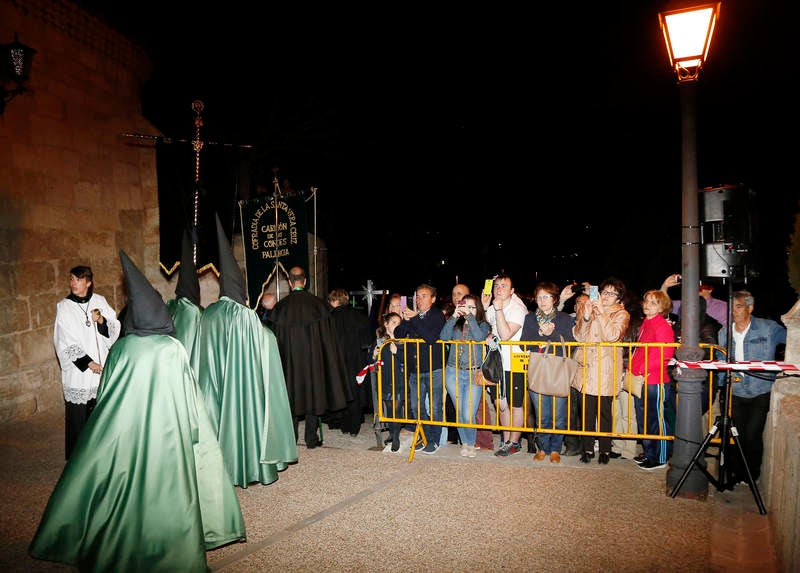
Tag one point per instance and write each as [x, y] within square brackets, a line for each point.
[275, 236]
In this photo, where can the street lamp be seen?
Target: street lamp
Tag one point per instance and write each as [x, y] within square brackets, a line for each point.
[15, 67]
[687, 29]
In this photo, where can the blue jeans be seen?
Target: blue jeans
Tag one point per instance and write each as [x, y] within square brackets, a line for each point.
[466, 396]
[545, 412]
[430, 390]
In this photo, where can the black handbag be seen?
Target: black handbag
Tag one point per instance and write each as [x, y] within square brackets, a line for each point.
[491, 371]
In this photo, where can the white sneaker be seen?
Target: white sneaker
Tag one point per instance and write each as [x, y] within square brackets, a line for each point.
[471, 453]
[464, 451]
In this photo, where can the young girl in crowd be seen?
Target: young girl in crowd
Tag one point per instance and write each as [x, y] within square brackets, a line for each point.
[393, 388]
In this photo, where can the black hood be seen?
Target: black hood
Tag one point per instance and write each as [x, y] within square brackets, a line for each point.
[188, 285]
[231, 281]
[145, 312]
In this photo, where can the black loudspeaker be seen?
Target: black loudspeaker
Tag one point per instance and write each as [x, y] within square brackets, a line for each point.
[728, 232]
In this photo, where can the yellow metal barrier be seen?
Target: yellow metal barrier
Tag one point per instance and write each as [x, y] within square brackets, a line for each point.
[399, 392]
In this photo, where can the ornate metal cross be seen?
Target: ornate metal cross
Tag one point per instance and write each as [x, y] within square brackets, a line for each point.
[369, 293]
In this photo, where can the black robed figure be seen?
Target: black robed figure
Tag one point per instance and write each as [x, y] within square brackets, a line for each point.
[316, 378]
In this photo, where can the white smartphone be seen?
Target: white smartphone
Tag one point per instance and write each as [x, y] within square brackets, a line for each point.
[593, 292]
[403, 302]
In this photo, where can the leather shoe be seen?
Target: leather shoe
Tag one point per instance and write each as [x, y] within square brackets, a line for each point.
[555, 457]
[312, 445]
[585, 458]
[614, 455]
[603, 459]
[540, 455]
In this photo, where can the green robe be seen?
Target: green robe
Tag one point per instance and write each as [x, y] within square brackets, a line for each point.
[241, 377]
[186, 316]
[145, 488]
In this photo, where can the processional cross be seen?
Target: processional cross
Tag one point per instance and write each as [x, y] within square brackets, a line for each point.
[197, 147]
[369, 293]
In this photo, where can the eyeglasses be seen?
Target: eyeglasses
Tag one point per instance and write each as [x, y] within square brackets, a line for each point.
[544, 296]
[472, 308]
[609, 293]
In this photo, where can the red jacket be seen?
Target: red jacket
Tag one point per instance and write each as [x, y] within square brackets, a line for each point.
[654, 329]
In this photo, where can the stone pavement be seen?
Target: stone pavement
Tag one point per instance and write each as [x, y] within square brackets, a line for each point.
[351, 506]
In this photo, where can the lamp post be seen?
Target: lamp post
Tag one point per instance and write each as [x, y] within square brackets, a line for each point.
[687, 29]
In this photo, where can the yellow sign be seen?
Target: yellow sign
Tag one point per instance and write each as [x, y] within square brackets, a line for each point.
[519, 361]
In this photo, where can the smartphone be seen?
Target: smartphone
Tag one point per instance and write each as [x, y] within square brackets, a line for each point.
[403, 302]
[487, 286]
[593, 293]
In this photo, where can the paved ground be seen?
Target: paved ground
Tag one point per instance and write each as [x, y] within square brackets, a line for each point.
[351, 506]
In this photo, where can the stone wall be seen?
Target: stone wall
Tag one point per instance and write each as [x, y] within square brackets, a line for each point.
[72, 190]
[781, 469]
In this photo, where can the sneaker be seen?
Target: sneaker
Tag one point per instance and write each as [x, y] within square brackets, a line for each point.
[514, 448]
[472, 452]
[640, 459]
[419, 447]
[465, 451]
[430, 448]
[651, 465]
[503, 451]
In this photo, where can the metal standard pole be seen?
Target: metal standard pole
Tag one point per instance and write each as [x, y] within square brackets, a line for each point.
[688, 433]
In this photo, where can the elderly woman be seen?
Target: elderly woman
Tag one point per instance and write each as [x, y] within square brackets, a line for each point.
[603, 319]
[652, 363]
[549, 324]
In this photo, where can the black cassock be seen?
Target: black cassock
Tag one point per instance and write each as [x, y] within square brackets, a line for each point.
[354, 334]
[313, 365]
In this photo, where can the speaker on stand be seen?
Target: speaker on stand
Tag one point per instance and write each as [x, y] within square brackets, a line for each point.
[728, 232]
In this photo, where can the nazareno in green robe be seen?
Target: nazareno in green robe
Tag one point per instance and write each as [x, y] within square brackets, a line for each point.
[241, 377]
[186, 316]
[145, 488]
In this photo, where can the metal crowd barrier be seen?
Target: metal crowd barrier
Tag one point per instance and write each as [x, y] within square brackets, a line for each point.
[409, 388]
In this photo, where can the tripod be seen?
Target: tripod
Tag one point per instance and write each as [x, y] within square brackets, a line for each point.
[727, 428]
[725, 425]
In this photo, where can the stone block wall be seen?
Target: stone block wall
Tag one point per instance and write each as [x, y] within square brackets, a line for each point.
[72, 190]
[780, 476]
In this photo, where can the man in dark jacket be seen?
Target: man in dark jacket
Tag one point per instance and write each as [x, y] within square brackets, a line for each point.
[425, 321]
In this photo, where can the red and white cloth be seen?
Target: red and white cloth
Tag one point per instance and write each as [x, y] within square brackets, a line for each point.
[368, 368]
[762, 365]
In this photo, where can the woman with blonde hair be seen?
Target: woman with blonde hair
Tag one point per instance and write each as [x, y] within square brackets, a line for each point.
[652, 363]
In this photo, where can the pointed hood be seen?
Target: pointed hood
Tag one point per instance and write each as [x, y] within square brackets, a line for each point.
[231, 281]
[188, 285]
[145, 312]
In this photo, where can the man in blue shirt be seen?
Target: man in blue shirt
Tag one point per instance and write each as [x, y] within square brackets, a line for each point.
[754, 338]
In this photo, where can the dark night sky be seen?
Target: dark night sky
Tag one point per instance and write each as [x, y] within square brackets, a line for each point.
[565, 126]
